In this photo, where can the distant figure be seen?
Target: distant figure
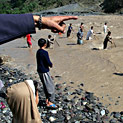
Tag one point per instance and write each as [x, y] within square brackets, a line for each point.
[89, 34]
[106, 40]
[80, 36]
[29, 43]
[105, 28]
[60, 34]
[70, 28]
[50, 42]
[82, 27]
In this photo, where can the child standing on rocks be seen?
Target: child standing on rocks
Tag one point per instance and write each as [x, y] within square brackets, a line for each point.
[43, 64]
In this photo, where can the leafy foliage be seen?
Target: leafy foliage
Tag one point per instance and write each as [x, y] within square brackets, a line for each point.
[26, 6]
[111, 6]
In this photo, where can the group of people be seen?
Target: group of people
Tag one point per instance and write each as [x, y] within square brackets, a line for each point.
[80, 34]
[23, 104]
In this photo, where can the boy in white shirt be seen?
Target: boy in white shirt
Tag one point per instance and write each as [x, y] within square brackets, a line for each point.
[89, 34]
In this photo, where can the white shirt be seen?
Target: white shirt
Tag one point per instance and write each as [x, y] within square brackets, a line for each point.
[90, 32]
[31, 84]
[105, 28]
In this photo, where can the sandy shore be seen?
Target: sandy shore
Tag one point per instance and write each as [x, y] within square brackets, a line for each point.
[101, 71]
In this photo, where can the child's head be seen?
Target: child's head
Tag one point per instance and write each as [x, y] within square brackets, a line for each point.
[109, 33]
[49, 36]
[82, 23]
[91, 27]
[41, 42]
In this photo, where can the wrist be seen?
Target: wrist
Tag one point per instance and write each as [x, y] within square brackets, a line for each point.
[38, 21]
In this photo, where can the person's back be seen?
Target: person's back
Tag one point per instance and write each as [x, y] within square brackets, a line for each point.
[107, 39]
[90, 32]
[43, 64]
[105, 28]
[43, 61]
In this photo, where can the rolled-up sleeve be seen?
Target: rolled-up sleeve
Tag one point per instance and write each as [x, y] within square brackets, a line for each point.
[13, 26]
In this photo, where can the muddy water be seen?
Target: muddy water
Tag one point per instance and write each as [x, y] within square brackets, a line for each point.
[99, 70]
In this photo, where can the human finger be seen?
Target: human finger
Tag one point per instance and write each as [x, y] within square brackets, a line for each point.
[64, 18]
[63, 25]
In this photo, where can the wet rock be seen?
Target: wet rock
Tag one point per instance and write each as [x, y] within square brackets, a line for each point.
[58, 86]
[83, 107]
[113, 121]
[82, 84]
[121, 112]
[4, 59]
[52, 119]
[102, 112]
[71, 82]
[117, 102]
[53, 111]
[117, 115]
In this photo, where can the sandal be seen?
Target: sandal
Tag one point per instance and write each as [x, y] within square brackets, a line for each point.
[53, 106]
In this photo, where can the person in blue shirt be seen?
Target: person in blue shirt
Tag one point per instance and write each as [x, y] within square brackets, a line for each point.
[80, 36]
[43, 65]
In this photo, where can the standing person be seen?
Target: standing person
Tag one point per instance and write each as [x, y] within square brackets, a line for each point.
[106, 40]
[80, 36]
[90, 33]
[29, 43]
[43, 65]
[70, 28]
[82, 27]
[50, 41]
[22, 99]
[105, 28]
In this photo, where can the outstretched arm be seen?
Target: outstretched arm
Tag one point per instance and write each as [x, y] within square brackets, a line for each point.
[54, 23]
[13, 26]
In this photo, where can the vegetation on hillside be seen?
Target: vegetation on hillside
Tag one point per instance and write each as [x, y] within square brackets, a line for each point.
[112, 6]
[27, 6]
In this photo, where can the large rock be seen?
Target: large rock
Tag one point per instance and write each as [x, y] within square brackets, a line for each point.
[4, 59]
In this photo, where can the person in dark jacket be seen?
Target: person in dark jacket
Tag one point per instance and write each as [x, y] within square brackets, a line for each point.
[106, 40]
[43, 65]
[70, 28]
[14, 26]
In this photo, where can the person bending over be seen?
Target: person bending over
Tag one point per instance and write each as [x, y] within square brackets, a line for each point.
[106, 40]
[22, 99]
[50, 42]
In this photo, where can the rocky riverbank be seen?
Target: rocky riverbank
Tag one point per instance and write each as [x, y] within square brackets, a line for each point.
[80, 72]
[83, 107]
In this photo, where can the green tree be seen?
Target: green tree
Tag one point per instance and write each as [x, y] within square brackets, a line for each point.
[111, 6]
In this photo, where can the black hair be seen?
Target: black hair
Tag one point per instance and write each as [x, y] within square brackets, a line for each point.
[41, 42]
[82, 23]
[91, 27]
[49, 36]
[109, 33]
